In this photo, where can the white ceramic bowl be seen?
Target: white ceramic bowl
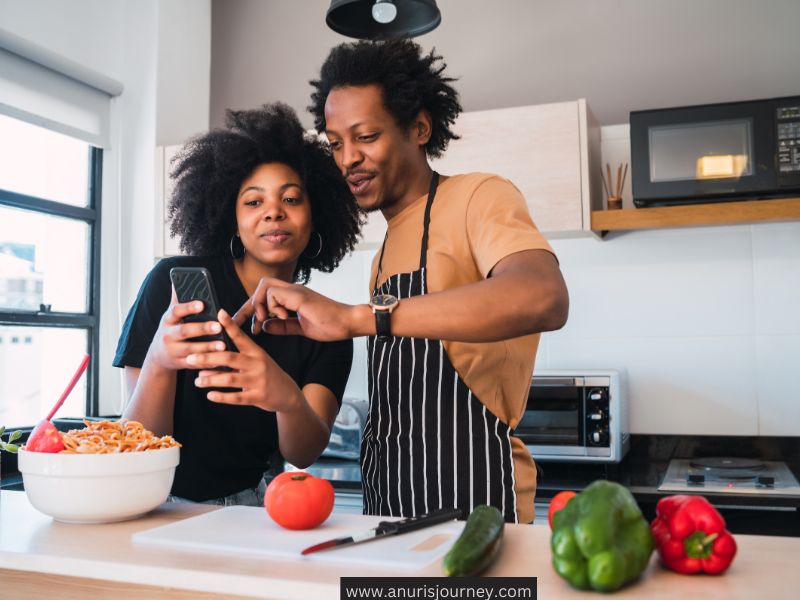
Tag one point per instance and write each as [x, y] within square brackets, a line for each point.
[97, 488]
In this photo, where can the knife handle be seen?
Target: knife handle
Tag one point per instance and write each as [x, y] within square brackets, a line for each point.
[420, 521]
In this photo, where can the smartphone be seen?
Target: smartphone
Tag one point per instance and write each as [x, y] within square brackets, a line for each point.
[195, 283]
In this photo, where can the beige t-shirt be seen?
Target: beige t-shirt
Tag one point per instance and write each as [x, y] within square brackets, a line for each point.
[477, 219]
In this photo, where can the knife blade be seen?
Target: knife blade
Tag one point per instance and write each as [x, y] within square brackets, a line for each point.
[387, 528]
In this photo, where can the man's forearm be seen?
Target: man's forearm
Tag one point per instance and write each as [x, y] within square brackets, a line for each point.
[508, 305]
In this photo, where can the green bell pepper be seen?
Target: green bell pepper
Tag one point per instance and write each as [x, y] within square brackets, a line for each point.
[600, 538]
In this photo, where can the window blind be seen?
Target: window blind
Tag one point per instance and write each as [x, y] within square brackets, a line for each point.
[45, 89]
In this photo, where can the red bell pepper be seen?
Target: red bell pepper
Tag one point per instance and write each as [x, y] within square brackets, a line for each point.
[691, 537]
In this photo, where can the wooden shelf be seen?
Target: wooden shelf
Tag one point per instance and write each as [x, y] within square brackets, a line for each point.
[691, 215]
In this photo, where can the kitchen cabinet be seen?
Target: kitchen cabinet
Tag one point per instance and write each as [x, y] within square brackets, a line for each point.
[164, 244]
[551, 152]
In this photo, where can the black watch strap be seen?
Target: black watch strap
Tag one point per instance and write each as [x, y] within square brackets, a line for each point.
[382, 324]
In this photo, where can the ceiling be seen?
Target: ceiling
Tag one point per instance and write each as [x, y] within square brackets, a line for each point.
[621, 55]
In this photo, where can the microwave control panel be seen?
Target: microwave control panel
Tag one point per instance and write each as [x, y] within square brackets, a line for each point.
[788, 139]
[597, 416]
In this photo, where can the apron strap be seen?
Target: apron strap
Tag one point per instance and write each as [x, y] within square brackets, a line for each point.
[423, 253]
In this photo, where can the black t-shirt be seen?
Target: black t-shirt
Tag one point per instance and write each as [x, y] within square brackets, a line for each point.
[226, 448]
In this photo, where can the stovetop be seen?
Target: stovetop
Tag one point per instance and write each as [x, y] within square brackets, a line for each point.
[730, 475]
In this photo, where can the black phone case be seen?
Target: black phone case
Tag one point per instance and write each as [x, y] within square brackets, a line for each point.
[195, 283]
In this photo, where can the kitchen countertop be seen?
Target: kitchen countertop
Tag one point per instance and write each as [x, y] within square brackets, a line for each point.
[101, 561]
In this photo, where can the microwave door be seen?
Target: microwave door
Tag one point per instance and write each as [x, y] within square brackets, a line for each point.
[702, 152]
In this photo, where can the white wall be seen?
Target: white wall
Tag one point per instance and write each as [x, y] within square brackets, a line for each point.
[120, 39]
[184, 69]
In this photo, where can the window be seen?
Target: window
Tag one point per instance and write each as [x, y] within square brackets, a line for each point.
[49, 270]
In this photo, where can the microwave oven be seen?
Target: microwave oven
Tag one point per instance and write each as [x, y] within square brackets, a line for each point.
[713, 152]
[576, 416]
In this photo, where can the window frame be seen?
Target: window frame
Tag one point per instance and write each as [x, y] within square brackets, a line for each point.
[90, 320]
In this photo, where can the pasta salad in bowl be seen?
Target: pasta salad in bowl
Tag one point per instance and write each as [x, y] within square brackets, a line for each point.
[108, 471]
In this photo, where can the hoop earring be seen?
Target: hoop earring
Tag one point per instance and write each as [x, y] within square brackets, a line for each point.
[316, 254]
[233, 254]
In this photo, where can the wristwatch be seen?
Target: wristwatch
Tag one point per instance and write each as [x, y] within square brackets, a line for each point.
[382, 306]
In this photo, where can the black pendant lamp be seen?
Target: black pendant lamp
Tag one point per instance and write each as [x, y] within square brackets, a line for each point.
[377, 19]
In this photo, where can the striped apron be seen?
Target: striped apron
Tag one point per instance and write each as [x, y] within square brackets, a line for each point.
[428, 441]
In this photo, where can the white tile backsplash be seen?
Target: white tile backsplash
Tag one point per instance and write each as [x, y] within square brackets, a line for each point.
[543, 353]
[690, 385]
[778, 360]
[776, 270]
[694, 282]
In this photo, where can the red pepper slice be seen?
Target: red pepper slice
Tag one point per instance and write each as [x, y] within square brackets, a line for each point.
[691, 537]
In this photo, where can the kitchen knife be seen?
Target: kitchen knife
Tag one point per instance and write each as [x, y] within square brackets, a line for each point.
[387, 528]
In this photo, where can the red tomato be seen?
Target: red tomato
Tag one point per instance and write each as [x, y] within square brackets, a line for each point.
[558, 502]
[298, 500]
[44, 438]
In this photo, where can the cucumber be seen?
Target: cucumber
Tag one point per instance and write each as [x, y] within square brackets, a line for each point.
[478, 545]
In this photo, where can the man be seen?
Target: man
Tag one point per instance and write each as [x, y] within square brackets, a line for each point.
[460, 290]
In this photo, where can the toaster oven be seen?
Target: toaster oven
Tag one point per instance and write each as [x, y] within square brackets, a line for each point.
[576, 416]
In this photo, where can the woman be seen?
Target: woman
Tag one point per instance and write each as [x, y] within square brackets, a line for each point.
[253, 200]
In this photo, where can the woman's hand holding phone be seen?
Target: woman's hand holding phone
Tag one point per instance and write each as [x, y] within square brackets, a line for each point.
[171, 345]
[260, 381]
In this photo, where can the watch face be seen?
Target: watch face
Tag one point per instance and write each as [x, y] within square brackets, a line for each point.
[383, 300]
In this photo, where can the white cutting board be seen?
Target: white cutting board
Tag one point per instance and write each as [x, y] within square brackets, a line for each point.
[250, 531]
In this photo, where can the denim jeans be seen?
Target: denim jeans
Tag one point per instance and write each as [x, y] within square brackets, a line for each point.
[247, 497]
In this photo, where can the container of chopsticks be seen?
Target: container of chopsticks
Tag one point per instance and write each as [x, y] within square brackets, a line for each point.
[614, 192]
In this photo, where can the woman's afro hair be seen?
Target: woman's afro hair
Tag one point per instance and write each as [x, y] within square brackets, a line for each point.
[409, 80]
[210, 169]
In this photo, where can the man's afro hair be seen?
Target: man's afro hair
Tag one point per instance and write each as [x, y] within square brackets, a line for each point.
[409, 80]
